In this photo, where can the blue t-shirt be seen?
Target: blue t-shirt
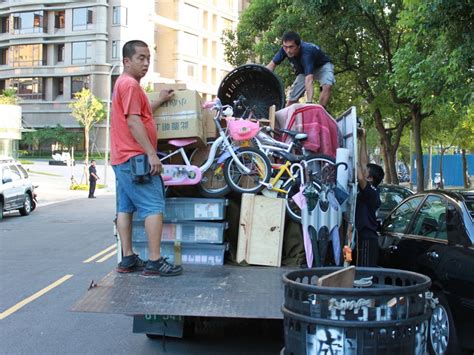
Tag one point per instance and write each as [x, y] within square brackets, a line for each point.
[368, 202]
[309, 58]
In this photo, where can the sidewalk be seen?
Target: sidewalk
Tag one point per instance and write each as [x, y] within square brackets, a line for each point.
[54, 181]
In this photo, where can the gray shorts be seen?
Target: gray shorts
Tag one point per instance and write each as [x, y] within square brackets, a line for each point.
[324, 74]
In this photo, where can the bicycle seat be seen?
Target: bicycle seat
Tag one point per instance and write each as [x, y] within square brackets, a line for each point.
[182, 142]
[293, 133]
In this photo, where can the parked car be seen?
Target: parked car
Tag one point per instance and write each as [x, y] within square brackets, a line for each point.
[391, 196]
[16, 189]
[433, 233]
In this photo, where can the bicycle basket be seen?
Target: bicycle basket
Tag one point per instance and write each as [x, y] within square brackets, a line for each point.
[241, 130]
[256, 87]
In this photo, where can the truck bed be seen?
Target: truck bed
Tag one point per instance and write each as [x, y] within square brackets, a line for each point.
[202, 291]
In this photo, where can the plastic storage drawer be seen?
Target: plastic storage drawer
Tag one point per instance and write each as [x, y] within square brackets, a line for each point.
[195, 209]
[191, 253]
[186, 232]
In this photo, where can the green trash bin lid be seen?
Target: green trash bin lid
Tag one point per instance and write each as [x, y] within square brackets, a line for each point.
[256, 88]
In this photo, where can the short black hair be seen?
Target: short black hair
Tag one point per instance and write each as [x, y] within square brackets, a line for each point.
[291, 36]
[128, 49]
[376, 173]
[92, 161]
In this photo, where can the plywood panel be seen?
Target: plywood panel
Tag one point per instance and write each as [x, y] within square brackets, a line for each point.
[261, 230]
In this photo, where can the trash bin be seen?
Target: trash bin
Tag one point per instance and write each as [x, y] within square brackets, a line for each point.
[388, 316]
[256, 87]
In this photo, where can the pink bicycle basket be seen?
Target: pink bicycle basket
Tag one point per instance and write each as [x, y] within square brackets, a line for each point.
[241, 130]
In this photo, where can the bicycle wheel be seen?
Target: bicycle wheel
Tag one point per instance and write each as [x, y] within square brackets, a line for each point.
[322, 170]
[213, 183]
[260, 171]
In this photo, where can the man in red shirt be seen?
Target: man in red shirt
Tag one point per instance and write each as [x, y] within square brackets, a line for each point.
[132, 133]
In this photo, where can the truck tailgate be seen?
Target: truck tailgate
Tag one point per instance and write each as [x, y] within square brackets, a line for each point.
[207, 291]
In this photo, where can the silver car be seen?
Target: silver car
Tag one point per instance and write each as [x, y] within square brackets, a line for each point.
[16, 189]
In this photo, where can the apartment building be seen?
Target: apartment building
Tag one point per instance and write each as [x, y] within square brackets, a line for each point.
[51, 49]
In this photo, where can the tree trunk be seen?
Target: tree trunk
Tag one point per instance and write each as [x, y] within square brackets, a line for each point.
[420, 174]
[392, 156]
[386, 148]
[86, 143]
[465, 175]
[441, 183]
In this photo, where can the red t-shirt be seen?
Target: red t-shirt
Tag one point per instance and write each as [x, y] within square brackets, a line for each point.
[129, 99]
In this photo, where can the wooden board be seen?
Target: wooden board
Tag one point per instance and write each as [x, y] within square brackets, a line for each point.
[261, 227]
[340, 278]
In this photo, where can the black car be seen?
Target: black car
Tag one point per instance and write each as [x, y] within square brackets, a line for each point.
[391, 196]
[432, 233]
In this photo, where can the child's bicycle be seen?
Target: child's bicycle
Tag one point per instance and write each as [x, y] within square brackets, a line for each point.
[249, 166]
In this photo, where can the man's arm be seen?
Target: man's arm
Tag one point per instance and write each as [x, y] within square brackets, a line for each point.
[165, 95]
[271, 66]
[363, 159]
[138, 131]
[308, 85]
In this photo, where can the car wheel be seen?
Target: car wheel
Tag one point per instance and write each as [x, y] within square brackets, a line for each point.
[442, 332]
[26, 209]
[1, 210]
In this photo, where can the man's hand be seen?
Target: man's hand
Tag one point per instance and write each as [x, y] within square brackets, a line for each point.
[166, 95]
[155, 164]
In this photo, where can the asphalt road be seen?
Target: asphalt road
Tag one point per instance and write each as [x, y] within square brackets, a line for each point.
[48, 260]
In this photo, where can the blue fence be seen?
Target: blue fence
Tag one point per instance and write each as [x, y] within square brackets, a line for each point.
[452, 168]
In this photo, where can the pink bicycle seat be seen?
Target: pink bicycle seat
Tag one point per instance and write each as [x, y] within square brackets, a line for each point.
[182, 142]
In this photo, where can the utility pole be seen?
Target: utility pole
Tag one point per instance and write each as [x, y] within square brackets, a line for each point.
[107, 125]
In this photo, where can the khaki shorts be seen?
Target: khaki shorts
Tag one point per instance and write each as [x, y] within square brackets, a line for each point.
[324, 74]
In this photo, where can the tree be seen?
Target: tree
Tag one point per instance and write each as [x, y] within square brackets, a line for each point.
[9, 97]
[87, 110]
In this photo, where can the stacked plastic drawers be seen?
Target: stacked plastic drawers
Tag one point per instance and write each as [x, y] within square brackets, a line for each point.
[193, 228]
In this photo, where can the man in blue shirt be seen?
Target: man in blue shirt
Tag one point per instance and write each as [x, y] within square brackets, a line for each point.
[369, 176]
[309, 63]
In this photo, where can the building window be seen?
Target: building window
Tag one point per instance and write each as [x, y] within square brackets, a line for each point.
[58, 86]
[59, 19]
[205, 21]
[190, 15]
[30, 22]
[60, 53]
[28, 55]
[190, 44]
[82, 19]
[119, 15]
[3, 56]
[116, 47]
[28, 88]
[78, 83]
[81, 52]
[4, 24]
[191, 69]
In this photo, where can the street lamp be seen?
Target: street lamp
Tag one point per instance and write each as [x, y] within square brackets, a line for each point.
[107, 126]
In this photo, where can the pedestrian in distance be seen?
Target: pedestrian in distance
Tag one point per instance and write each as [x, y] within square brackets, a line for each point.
[309, 63]
[93, 177]
[133, 133]
[369, 177]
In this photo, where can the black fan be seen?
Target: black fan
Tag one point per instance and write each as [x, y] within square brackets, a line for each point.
[251, 89]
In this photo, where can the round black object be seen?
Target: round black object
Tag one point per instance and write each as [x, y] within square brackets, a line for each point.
[255, 88]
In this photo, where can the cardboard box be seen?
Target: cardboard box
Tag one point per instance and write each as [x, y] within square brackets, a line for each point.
[211, 129]
[181, 117]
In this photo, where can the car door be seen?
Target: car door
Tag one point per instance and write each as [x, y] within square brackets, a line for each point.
[393, 232]
[18, 191]
[8, 189]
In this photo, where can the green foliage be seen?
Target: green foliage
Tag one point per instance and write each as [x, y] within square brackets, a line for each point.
[9, 97]
[85, 187]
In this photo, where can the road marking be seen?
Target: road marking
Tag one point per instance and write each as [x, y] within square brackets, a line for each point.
[100, 253]
[108, 256]
[38, 294]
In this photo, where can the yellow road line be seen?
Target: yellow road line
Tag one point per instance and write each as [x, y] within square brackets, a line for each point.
[107, 257]
[100, 253]
[38, 294]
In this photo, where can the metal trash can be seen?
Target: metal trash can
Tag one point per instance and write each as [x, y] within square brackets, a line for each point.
[256, 87]
[389, 316]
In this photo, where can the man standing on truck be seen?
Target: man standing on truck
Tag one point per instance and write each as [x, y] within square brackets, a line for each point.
[369, 176]
[133, 133]
[309, 62]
